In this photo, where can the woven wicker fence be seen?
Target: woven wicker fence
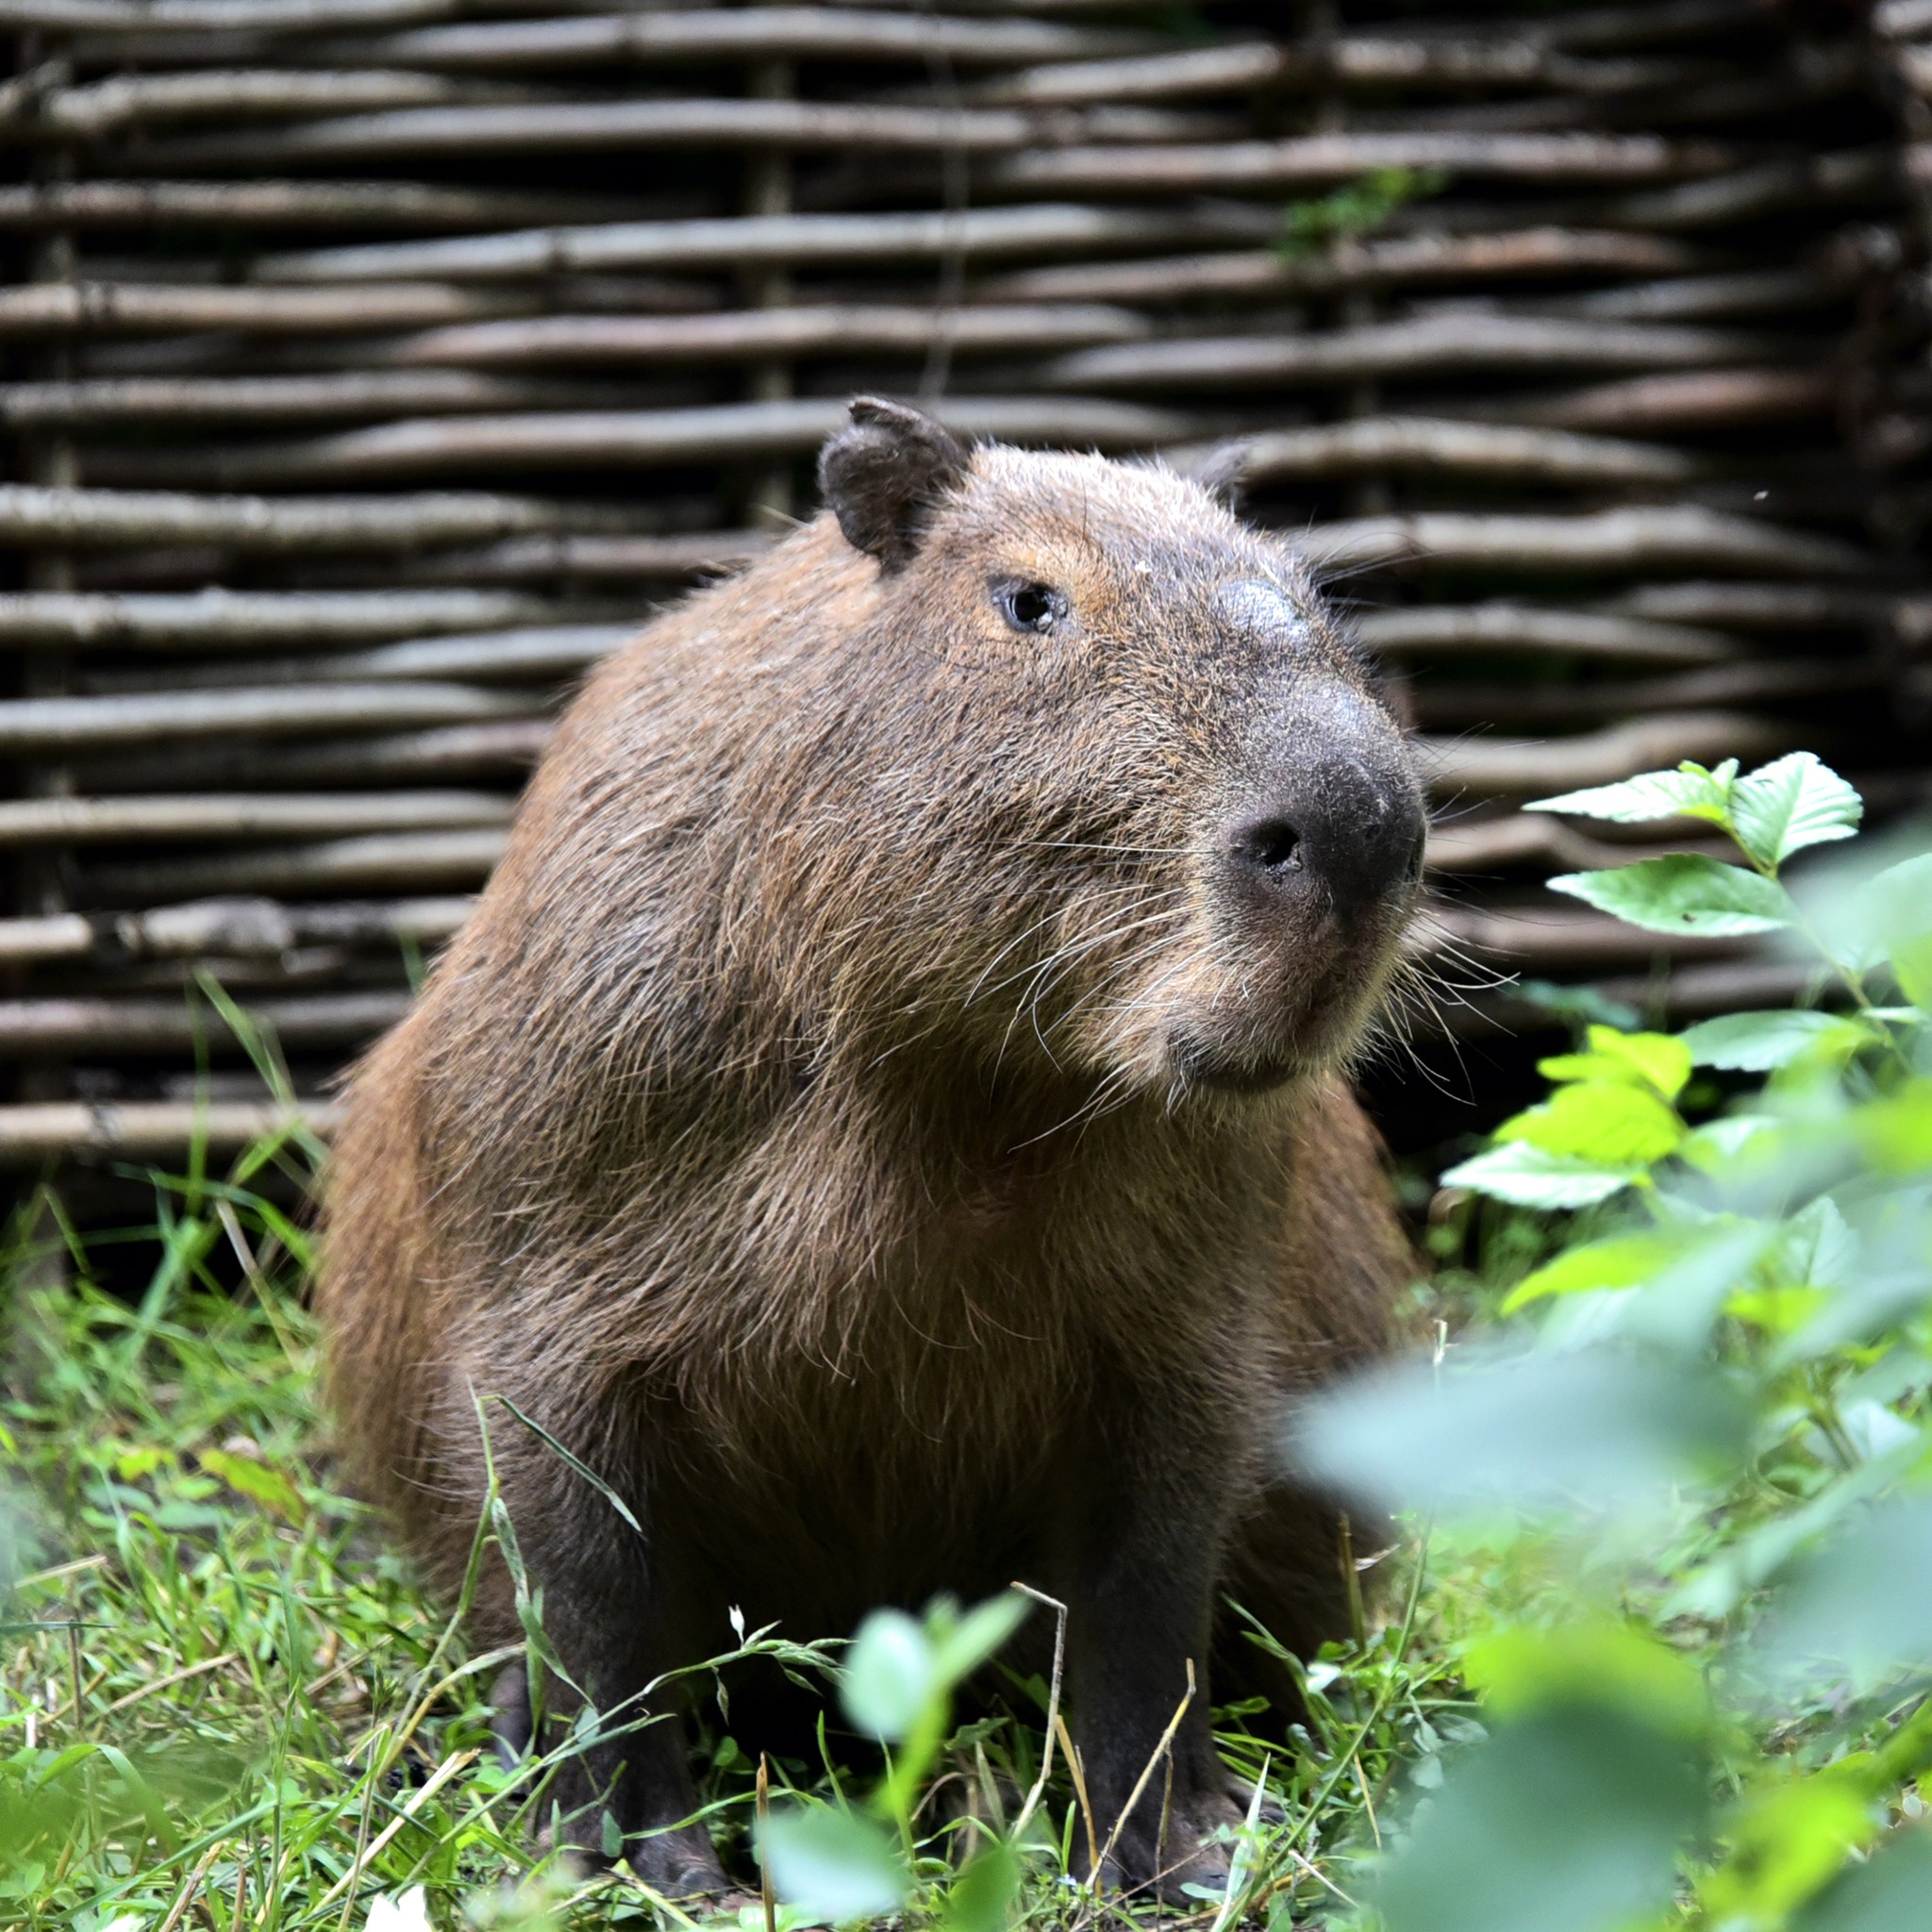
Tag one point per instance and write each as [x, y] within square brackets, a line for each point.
[372, 366]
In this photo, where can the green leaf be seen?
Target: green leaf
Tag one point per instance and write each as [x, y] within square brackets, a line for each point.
[1524, 1669]
[960, 1650]
[1784, 1843]
[1690, 791]
[982, 1896]
[1896, 1132]
[1569, 1820]
[1815, 1248]
[1602, 1121]
[1620, 1261]
[835, 1864]
[1790, 804]
[1891, 1892]
[890, 1675]
[1763, 1042]
[1530, 1178]
[1554, 1434]
[1659, 1060]
[1683, 892]
[1898, 909]
[256, 1481]
[1859, 1606]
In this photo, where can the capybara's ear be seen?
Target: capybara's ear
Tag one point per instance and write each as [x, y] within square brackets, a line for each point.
[884, 475]
[1222, 473]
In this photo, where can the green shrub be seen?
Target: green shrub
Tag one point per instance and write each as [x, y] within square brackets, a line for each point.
[1694, 1442]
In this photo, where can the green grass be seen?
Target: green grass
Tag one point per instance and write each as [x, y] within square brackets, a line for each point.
[224, 1704]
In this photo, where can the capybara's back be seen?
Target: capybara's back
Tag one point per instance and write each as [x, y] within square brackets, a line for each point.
[884, 1119]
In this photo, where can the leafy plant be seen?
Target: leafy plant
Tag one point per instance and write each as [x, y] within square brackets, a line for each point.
[839, 1864]
[1359, 208]
[1695, 1443]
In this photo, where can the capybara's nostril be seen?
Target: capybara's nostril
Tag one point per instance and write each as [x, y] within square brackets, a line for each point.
[1418, 852]
[1271, 845]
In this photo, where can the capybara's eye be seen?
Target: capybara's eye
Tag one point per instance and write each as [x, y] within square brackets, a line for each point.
[1035, 608]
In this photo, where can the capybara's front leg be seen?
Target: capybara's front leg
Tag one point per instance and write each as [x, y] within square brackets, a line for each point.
[626, 1789]
[1140, 1619]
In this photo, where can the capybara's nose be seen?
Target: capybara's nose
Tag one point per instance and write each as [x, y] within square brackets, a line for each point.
[1341, 834]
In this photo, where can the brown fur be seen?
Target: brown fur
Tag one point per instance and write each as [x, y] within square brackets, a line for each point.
[867, 1121]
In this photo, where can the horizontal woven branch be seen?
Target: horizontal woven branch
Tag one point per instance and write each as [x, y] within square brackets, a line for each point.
[632, 439]
[765, 33]
[85, 308]
[401, 861]
[41, 725]
[844, 329]
[406, 205]
[162, 1130]
[797, 240]
[1375, 443]
[1526, 766]
[182, 400]
[1351, 262]
[1614, 541]
[116, 518]
[535, 655]
[600, 127]
[1483, 629]
[172, 1027]
[1430, 346]
[179, 816]
[1326, 160]
[211, 620]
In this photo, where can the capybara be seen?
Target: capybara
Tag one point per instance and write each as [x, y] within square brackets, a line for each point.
[886, 1118]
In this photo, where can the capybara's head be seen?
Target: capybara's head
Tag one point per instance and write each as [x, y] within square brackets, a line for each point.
[1165, 831]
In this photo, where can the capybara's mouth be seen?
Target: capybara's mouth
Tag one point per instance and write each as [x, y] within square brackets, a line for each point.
[1202, 1062]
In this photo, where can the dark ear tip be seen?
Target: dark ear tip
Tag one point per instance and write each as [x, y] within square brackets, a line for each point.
[884, 473]
[1222, 473]
[877, 412]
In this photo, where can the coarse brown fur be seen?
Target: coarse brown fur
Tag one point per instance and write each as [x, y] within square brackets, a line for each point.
[883, 1114]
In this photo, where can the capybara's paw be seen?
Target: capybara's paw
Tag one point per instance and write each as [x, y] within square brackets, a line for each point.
[680, 1864]
[1148, 1861]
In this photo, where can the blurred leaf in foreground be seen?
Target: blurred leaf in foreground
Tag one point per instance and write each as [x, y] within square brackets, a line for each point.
[835, 1864]
[1597, 1430]
[1890, 1893]
[1859, 1606]
[1567, 1821]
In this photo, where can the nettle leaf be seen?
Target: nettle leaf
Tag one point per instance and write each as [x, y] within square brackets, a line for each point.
[968, 1643]
[1593, 1429]
[1898, 909]
[1785, 1843]
[1523, 1670]
[1891, 1892]
[1651, 1060]
[834, 1864]
[1690, 791]
[1764, 1042]
[1683, 892]
[890, 1675]
[1858, 1608]
[1529, 1177]
[1716, 1144]
[1600, 1121]
[1896, 1132]
[1816, 1248]
[982, 1895]
[1569, 1821]
[1621, 1261]
[1790, 804]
